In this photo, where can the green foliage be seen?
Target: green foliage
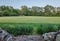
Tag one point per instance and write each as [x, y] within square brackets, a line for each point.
[58, 27]
[52, 28]
[47, 28]
[9, 11]
[17, 29]
[40, 30]
[48, 10]
[29, 29]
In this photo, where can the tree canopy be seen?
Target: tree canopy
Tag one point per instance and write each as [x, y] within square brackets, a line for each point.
[48, 10]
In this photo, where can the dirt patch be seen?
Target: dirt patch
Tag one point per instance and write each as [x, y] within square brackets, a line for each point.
[29, 38]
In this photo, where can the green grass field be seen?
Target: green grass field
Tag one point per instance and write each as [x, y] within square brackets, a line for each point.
[30, 19]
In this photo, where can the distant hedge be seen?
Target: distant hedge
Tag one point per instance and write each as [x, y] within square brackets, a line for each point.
[28, 29]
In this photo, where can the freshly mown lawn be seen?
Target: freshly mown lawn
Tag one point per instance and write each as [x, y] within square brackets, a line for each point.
[30, 19]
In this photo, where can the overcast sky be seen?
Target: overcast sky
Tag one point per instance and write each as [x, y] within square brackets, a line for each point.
[30, 3]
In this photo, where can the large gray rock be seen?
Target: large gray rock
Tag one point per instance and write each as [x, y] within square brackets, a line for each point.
[5, 36]
[49, 36]
[58, 37]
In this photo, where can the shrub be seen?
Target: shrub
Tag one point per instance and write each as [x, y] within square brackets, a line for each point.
[58, 27]
[47, 28]
[29, 29]
[40, 29]
[18, 30]
[52, 28]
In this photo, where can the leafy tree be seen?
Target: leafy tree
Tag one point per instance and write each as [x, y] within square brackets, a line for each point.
[49, 10]
[24, 10]
[9, 11]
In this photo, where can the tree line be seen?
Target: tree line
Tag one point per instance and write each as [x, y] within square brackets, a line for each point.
[48, 10]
